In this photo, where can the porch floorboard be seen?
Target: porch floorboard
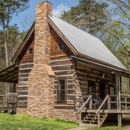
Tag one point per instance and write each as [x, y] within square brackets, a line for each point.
[106, 111]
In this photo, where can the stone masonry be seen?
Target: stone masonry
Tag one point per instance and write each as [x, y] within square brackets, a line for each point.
[40, 83]
[66, 114]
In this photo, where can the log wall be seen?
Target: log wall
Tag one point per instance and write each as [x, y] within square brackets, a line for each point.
[24, 70]
[54, 49]
[64, 69]
[27, 57]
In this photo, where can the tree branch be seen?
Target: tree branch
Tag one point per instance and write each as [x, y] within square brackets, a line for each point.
[125, 47]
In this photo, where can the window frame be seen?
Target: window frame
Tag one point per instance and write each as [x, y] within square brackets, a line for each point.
[30, 48]
[58, 90]
[93, 87]
[113, 87]
[60, 48]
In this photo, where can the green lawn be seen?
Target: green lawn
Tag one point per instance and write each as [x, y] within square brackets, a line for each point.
[23, 122]
[109, 128]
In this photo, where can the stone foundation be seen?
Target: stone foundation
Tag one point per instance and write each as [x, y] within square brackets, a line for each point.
[21, 110]
[66, 114]
[40, 93]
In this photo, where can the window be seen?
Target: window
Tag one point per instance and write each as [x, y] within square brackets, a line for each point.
[61, 91]
[111, 90]
[30, 51]
[61, 46]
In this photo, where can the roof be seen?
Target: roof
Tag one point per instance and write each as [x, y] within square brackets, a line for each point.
[9, 74]
[23, 43]
[86, 43]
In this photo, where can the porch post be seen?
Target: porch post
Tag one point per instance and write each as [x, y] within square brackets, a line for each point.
[118, 88]
[14, 88]
[129, 85]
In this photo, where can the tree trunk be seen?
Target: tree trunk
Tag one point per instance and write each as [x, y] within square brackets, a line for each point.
[6, 62]
[6, 49]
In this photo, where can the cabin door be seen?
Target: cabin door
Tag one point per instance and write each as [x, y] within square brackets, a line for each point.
[102, 92]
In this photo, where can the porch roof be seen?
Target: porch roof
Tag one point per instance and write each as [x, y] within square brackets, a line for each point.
[10, 74]
[113, 70]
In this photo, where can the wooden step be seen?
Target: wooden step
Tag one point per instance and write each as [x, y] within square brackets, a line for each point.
[87, 118]
[92, 118]
[90, 122]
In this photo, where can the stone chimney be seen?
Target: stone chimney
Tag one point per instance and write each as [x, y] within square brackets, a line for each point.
[41, 77]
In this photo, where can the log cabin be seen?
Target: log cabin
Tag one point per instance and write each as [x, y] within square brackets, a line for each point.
[62, 71]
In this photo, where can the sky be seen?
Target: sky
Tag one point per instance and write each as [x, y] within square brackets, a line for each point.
[26, 18]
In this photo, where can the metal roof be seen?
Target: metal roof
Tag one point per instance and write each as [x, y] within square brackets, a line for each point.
[86, 43]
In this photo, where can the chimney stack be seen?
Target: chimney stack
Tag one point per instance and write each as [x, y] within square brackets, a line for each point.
[41, 82]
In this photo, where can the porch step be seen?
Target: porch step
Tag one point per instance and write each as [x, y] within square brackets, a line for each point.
[92, 118]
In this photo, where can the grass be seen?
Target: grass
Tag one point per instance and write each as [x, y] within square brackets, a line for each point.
[23, 122]
[109, 128]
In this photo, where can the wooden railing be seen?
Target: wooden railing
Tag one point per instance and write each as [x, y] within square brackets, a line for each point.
[103, 103]
[125, 102]
[109, 103]
[9, 100]
[85, 103]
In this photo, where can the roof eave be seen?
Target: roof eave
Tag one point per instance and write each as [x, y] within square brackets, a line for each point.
[24, 41]
[93, 60]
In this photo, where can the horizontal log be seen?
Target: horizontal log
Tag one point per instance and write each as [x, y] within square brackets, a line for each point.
[64, 73]
[64, 76]
[22, 86]
[23, 83]
[22, 98]
[60, 59]
[24, 71]
[26, 63]
[22, 93]
[22, 101]
[63, 67]
[25, 68]
[61, 62]
[22, 76]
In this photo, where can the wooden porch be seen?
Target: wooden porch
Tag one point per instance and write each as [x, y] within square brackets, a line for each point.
[93, 110]
[8, 102]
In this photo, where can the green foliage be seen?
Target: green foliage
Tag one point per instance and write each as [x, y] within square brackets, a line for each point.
[114, 44]
[108, 128]
[14, 39]
[87, 15]
[21, 121]
[107, 20]
[8, 8]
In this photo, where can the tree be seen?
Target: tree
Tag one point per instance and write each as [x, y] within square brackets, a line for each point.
[8, 8]
[87, 15]
[120, 14]
[108, 20]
